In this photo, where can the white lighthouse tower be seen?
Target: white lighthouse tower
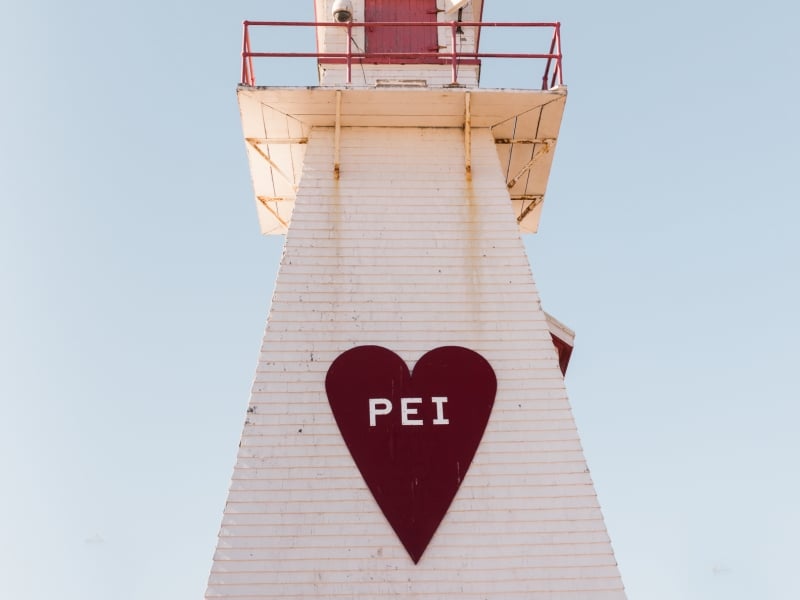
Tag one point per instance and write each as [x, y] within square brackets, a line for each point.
[409, 433]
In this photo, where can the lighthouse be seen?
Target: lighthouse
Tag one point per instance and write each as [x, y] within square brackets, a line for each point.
[408, 433]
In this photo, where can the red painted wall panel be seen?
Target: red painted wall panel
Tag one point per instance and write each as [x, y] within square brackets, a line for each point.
[401, 39]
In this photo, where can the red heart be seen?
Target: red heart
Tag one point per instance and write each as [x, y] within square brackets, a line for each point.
[412, 436]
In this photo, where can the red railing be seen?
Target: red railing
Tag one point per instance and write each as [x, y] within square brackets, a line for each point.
[553, 72]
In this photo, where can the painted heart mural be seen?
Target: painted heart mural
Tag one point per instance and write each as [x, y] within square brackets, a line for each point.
[412, 435]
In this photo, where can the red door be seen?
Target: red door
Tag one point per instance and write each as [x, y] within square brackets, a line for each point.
[401, 39]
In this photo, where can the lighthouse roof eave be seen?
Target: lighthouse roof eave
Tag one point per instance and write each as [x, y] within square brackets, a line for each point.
[277, 122]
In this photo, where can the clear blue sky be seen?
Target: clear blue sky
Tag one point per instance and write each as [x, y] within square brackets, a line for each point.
[135, 287]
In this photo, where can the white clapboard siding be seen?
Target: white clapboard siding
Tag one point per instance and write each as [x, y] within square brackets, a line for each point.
[369, 75]
[404, 252]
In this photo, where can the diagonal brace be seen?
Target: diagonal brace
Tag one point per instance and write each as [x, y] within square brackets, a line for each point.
[547, 145]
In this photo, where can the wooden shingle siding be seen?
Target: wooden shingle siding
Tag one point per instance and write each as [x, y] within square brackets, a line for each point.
[403, 252]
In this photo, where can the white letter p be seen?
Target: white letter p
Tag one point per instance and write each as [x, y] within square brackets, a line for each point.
[378, 406]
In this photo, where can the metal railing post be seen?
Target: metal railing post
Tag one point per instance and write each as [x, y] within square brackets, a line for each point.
[245, 50]
[546, 74]
[453, 33]
[558, 50]
[349, 52]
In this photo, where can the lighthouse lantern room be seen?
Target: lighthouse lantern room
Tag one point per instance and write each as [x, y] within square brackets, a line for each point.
[408, 432]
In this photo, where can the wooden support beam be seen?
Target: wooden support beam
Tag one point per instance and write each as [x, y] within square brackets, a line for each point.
[300, 140]
[265, 202]
[519, 141]
[467, 136]
[547, 145]
[534, 202]
[271, 162]
[337, 134]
